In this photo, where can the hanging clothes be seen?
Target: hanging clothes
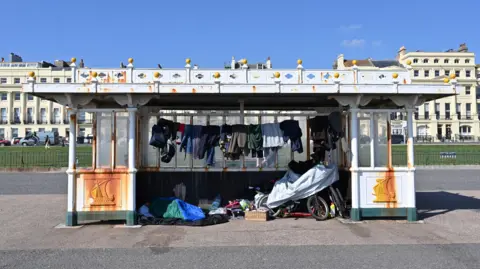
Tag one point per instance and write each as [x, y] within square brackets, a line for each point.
[255, 140]
[272, 141]
[272, 135]
[292, 131]
[225, 138]
[239, 140]
[319, 132]
[191, 139]
[210, 135]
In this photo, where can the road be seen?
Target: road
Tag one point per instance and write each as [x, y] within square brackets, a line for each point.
[448, 201]
[56, 183]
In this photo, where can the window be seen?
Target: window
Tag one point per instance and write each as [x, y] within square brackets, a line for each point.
[467, 73]
[3, 80]
[447, 72]
[459, 110]
[467, 61]
[14, 132]
[447, 111]
[445, 61]
[104, 138]
[439, 130]
[465, 130]
[43, 115]
[56, 80]
[81, 117]
[426, 110]
[28, 131]
[468, 108]
[16, 80]
[69, 80]
[56, 115]
[456, 61]
[30, 97]
[3, 115]
[448, 131]
[55, 130]
[426, 73]
[3, 96]
[435, 61]
[30, 115]
[415, 73]
[437, 73]
[43, 80]
[467, 90]
[41, 130]
[17, 96]
[457, 73]
[415, 61]
[2, 132]
[425, 61]
[16, 115]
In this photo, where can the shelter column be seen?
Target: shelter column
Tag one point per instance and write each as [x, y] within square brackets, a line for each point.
[131, 208]
[355, 212]
[71, 187]
[411, 203]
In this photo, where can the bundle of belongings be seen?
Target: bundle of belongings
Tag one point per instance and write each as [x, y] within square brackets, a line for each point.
[173, 211]
[262, 141]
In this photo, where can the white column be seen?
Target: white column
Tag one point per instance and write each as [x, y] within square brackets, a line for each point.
[71, 187]
[372, 139]
[132, 120]
[355, 213]
[410, 161]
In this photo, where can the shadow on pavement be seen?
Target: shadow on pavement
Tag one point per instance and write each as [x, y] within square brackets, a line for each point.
[430, 204]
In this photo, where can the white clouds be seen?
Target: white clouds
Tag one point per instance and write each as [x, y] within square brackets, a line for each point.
[377, 43]
[353, 43]
[351, 27]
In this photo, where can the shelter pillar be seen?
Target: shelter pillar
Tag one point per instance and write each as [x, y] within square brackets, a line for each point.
[71, 171]
[411, 202]
[355, 211]
[132, 171]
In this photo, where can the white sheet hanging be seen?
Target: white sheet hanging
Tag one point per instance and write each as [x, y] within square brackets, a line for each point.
[272, 135]
[294, 187]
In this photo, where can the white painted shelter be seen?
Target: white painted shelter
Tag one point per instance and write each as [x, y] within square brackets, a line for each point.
[127, 101]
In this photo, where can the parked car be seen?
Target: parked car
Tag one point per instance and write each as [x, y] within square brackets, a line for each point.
[39, 139]
[16, 140]
[5, 142]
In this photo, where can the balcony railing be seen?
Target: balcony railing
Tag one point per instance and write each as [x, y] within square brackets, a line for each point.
[3, 121]
[85, 121]
[43, 122]
[56, 122]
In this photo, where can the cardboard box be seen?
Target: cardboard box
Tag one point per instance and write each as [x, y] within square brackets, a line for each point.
[255, 215]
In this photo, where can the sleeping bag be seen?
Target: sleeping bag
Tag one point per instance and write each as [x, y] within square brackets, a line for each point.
[173, 208]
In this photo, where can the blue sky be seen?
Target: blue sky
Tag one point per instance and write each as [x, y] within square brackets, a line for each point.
[105, 32]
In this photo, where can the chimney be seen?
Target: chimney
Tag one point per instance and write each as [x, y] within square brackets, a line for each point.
[341, 62]
[82, 64]
[14, 58]
[401, 52]
[3, 60]
[463, 48]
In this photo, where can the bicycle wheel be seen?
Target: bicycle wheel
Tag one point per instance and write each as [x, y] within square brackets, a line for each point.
[338, 201]
[263, 203]
[317, 206]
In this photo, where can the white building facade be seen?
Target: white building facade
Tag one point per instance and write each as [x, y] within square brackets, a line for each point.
[455, 118]
[21, 113]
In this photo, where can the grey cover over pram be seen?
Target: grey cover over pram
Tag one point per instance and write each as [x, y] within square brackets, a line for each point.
[294, 187]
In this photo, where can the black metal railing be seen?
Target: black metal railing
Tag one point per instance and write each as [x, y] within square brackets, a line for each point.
[399, 158]
[51, 158]
[55, 158]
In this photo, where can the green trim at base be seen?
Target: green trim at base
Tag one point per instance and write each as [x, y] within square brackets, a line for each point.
[409, 213]
[355, 214]
[72, 219]
[412, 214]
[102, 215]
[131, 218]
